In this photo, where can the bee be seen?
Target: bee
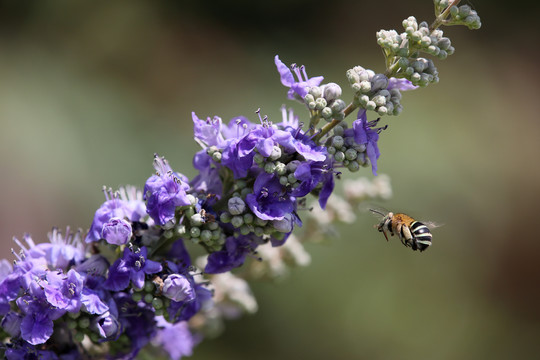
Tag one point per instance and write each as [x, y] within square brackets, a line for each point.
[412, 233]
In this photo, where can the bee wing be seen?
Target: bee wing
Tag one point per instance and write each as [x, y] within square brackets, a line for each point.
[432, 224]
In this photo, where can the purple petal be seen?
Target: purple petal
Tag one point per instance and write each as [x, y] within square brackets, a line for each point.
[285, 73]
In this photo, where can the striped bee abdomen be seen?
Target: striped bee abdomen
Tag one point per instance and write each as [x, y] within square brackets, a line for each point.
[421, 236]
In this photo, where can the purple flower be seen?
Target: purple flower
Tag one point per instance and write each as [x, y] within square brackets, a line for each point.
[107, 324]
[23, 351]
[175, 339]
[11, 323]
[303, 145]
[117, 231]
[239, 153]
[208, 180]
[365, 134]
[178, 288]
[400, 84]
[269, 200]
[232, 255]
[132, 266]
[311, 174]
[164, 192]
[37, 323]
[299, 86]
[64, 291]
[184, 310]
[112, 208]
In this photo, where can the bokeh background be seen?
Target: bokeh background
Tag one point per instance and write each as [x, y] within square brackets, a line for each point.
[90, 90]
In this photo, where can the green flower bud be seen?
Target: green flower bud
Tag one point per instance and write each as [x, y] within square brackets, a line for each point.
[216, 234]
[270, 167]
[353, 166]
[237, 221]
[339, 156]
[148, 298]
[246, 191]
[338, 130]
[281, 168]
[83, 322]
[351, 154]
[258, 159]
[194, 232]
[331, 150]
[244, 230]
[371, 105]
[326, 113]
[206, 236]
[225, 217]
[248, 218]
[291, 179]
[316, 92]
[337, 142]
[309, 98]
[260, 222]
[320, 103]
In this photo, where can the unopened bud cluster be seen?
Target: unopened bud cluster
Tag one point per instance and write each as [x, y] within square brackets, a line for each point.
[372, 93]
[343, 148]
[462, 15]
[326, 101]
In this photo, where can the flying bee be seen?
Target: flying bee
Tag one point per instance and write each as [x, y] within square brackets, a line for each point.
[412, 233]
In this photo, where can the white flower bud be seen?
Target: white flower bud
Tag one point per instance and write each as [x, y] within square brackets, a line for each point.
[236, 206]
[332, 91]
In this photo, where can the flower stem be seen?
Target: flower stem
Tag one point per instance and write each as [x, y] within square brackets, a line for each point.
[439, 20]
[326, 128]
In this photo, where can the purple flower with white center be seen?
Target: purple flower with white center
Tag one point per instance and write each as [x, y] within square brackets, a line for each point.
[59, 253]
[177, 287]
[164, 192]
[133, 266]
[365, 134]
[232, 255]
[296, 87]
[175, 339]
[64, 290]
[113, 207]
[135, 208]
[237, 128]
[269, 200]
[117, 231]
[400, 84]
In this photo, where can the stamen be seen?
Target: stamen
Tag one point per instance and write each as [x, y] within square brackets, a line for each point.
[303, 69]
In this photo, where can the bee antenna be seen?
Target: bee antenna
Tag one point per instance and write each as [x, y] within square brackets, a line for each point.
[376, 211]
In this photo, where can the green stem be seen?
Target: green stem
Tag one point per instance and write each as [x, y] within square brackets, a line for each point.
[439, 20]
[326, 128]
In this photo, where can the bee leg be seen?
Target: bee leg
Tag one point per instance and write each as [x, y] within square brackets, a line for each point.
[398, 230]
[407, 234]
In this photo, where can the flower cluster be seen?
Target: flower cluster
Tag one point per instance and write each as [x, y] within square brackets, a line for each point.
[130, 282]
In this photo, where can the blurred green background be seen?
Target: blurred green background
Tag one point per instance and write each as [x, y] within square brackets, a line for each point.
[90, 90]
